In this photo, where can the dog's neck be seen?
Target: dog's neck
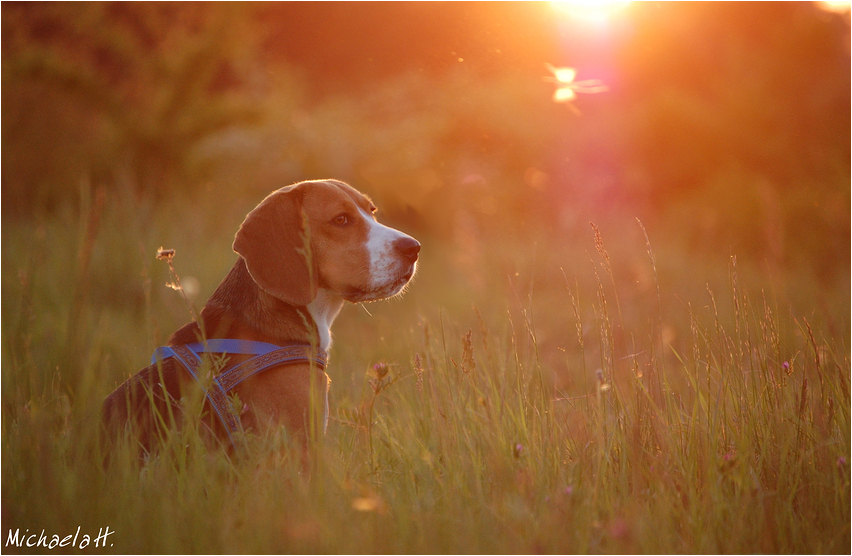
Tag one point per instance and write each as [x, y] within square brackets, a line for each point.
[240, 309]
[324, 309]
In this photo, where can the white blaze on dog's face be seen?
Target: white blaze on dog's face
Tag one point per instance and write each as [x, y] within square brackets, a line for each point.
[356, 257]
[393, 258]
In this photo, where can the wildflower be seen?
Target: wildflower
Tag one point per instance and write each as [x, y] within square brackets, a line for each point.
[380, 379]
[728, 461]
[380, 370]
[603, 385]
[518, 450]
[841, 463]
[786, 366]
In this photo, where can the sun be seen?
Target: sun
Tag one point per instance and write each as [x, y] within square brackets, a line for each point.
[589, 10]
[841, 6]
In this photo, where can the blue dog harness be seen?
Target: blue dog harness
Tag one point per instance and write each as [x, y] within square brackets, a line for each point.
[265, 356]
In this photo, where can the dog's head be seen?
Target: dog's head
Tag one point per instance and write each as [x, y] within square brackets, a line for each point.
[323, 234]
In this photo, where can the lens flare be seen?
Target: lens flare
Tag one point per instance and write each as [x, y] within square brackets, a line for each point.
[567, 88]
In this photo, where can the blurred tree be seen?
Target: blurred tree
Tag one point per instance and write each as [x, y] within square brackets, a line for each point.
[349, 47]
[118, 91]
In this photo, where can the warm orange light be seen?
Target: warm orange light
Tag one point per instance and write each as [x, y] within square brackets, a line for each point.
[836, 6]
[589, 10]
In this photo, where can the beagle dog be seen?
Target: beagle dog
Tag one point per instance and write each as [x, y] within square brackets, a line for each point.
[303, 251]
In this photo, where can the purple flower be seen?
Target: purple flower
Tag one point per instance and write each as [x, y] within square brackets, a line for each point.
[380, 370]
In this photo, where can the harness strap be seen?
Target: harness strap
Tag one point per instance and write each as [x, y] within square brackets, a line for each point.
[265, 356]
[229, 378]
[242, 347]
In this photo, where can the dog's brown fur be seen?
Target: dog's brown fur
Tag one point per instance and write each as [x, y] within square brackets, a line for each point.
[266, 297]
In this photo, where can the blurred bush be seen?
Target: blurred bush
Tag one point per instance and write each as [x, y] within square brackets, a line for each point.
[741, 133]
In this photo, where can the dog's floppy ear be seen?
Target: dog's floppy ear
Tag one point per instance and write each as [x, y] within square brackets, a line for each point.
[271, 241]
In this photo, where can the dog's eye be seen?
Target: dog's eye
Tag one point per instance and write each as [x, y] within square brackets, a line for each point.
[341, 220]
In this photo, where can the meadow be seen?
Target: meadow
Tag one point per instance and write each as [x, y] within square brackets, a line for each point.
[629, 332]
[596, 389]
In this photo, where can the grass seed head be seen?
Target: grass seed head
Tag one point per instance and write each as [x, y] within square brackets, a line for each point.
[469, 363]
[165, 254]
[418, 371]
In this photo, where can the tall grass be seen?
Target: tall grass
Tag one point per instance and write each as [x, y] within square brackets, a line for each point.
[564, 409]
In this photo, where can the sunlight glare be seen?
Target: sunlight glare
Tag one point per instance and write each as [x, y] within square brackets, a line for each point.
[840, 7]
[589, 10]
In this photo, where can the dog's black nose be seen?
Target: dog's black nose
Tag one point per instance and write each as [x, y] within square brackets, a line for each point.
[408, 247]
